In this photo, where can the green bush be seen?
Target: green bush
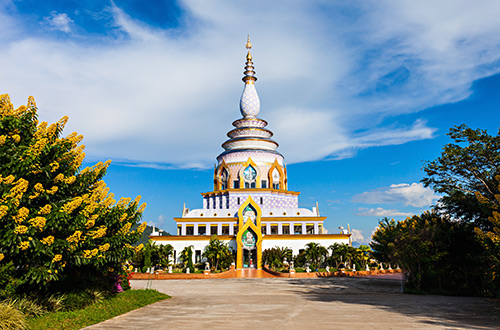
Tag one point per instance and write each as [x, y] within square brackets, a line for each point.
[59, 225]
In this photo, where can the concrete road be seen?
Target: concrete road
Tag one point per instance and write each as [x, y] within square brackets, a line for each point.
[320, 303]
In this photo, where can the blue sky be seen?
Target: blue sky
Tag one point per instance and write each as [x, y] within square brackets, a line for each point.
[358, 94]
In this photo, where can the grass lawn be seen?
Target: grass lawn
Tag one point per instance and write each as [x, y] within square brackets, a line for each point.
[122, 303]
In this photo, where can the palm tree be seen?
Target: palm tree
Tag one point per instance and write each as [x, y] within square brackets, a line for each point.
[336, 254]
[217, 252]
[315, 253]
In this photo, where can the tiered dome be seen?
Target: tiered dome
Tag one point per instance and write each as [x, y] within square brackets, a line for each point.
[250, 132]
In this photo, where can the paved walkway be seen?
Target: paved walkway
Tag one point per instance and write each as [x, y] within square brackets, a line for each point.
[320, 303]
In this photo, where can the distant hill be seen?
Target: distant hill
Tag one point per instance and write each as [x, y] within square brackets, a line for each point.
[145, 234]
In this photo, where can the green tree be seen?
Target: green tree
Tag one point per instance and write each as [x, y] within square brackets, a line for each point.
[275, 257]
[218, 253]
[187, 257]
[315, 254]
[439, 255]
[466, 167]
[59, 225]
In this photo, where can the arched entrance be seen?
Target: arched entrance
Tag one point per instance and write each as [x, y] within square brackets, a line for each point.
[249, 237]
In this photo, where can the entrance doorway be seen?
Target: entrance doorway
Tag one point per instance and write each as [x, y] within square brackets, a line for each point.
[249, 258]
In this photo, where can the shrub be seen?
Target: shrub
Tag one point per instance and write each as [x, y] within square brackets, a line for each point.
[59, 225]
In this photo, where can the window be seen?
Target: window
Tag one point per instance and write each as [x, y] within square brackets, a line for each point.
[310, 228]
[175, 256]
[236, 184]
[285, 229]
[238, 201]
[276, 179]
[202, 230]
[225, 229]
[297, 229]
[263, 229]
[261, 201]
[197, 256]
[190, 230]
[220, 202]
[250, 175]
[179, 230]
[274, 229]
[320, 228]
[263, 184]
[223, 178]
[213, 230]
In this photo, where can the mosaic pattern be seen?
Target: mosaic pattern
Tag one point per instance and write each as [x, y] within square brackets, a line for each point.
[250, 122]
[250, 102]
[247, 132]
[257, 156]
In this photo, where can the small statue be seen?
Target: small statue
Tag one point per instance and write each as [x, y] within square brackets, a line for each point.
[354, 267]
[381, 266]
[170, 269]
[207, 266]
[188, 270]
[389, 267]
[367, 268]
[308, 269]
[291, 265]
[327, 269]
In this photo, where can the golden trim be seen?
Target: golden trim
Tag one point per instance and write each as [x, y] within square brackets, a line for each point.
[219, 219]
[282, 179]
[268, 190]
[190, 237]
[306, 236]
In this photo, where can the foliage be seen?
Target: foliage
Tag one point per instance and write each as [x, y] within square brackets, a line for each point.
[315, 254]
[439, 255]
[218, 253]
[153, 255]
[465, 168]
[490, 240]
[59, 225]
[11, 318]
[275, 257]
[97, 312]
[187, 258]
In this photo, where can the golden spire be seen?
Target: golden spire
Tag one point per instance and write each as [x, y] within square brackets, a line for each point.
[249, 44]
[249, 73]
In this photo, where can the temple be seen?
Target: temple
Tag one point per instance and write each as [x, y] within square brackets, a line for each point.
[250, 206]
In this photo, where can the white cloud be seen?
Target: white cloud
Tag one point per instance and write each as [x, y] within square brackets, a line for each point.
[169, 95]
[380, 212]
[59, 22]
[357, 236]
[414, 195]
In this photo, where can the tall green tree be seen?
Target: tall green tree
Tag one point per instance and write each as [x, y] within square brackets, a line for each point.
[60, 227]
[466, 167]
[187, 258]
[315, 254]
[218, 253]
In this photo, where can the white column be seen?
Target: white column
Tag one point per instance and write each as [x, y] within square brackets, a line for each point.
[231, 229]
[268, 228]
[316, 228]
[219, 229]
[207, 229]
[183, 229]
[195, 229]
[292, 229]
[280, 228]
[304, 227]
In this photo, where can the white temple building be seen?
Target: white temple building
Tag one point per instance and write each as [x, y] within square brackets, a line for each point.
[250, 206]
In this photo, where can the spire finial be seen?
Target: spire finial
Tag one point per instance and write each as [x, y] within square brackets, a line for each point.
[249, 44]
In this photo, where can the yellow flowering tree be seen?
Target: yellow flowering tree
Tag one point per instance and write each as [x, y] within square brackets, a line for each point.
[59, 224]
